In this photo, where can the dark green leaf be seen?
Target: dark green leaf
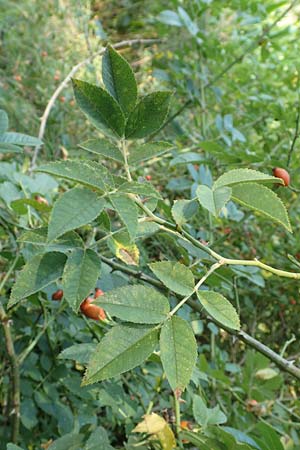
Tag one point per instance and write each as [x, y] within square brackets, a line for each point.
[88, 173]
[80, 276]
[74, 209]
[219, 308]
[20, 206]
[100, 107]
[38, 272]
[178, 352]
[184, 210]
[175, 276]
[213, 199]
[104, 148]
[137, 304]
[145, 189]
[122, 348]
[70, 441]
[238, 176]
[127, 210]
[78, 352]
[10, 137]
[262, 199]
[119, 79]
[143, 152]
[3, 121]
[10, 148]
[148, 115]
[64, 244]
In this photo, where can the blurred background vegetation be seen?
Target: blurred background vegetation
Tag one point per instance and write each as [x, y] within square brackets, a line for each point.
[236, 78]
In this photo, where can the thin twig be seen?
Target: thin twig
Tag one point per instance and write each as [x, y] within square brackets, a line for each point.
[14, 363]
[67, 79]
[284, 364]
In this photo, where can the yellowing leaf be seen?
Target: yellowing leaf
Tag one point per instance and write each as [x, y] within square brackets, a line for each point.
[159, 429]
[152, 424]
[125, 250]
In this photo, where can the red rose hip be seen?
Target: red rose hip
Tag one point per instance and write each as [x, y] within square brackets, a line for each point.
[283, 174]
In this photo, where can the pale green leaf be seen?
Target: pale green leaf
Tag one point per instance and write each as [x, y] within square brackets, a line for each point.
[80, 353]
[213, 199]
[80, 276]
[263, 200]
[124, 347]
[207, 416]
[63, 244]
[3, 121]
[137, 304]
[220, 309]
[70, 441]
[98, 440]
[20, 206]
[127, 211]
[143, 152]
[38, 272]
[88, 173]
[238, 176]
[74, 209]
[174, 276]
[148, 115]
[119, 80]
[184, 210]
[100, 107]
[10, 137]
[10, 148]
[145, 189]
[103, 148]
[266, 374]
[13, 447]
[178, 352]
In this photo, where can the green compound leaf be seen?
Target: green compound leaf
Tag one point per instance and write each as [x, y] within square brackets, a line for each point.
[174, 276]
[119, 79]
[213, 199]
[38, 272]
[178, 352]
[143, 152]
[124, 347]
[148, 115]
[88, 173]
[238, 176]
[103, 148]
[127, 210]
[100, 107]
[183, 210]
[74, 209]
[262, 199]
[80, 276]
[219, 308]
[137, 304]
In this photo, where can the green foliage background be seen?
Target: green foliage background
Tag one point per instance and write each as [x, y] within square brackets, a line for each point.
[242, 118]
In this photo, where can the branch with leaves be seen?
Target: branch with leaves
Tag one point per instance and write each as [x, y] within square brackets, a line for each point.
[66, 81]
[145, 319]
